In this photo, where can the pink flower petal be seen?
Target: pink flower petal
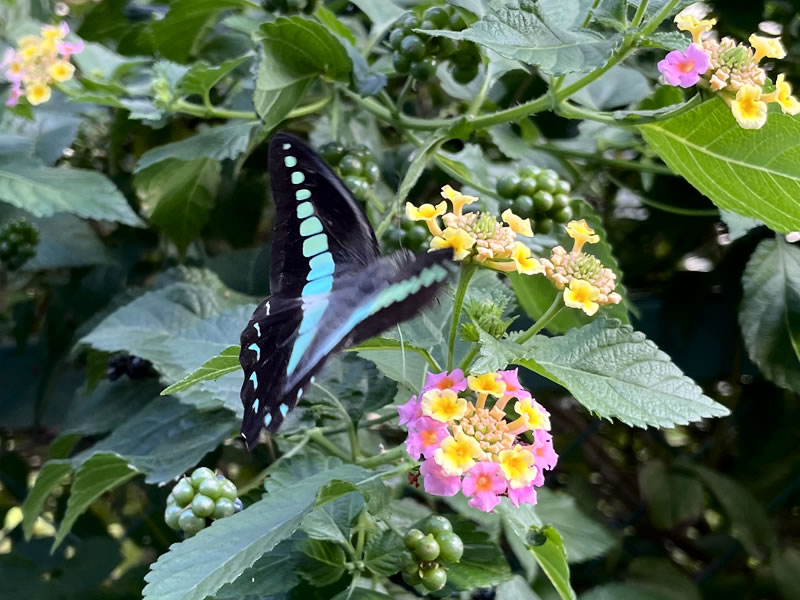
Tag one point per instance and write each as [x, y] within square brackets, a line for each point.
[525, 495]
[410, 411]
[436, 482]
[454, 380]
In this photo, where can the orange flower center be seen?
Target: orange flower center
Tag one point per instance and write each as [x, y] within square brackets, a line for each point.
[686, 66]
[445, 383]
[428, 437]
[483, 483]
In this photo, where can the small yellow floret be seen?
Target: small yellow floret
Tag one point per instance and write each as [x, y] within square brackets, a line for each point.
[517, 224]
[425, 212]
[457, 239]
[697, 27]
[61, 70]
[788, 103]
[532, 414]
[37, 93]
[457, 199]
[582, 294]
[748, 109]
[27, 41]
[517, 464]
[488, 383]
[582, 234]
[525, 263]
[443, 405]
[456, 455]
[766, 47]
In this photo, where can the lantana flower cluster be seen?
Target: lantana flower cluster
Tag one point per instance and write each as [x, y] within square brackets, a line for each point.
[477, 236]
[586, 283]
[732, 69]
[38, 62]
[470, 446]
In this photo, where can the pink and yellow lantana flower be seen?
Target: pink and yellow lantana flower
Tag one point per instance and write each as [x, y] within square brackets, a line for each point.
[469, 445]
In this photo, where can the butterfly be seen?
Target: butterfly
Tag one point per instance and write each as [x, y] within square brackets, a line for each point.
[330, 287]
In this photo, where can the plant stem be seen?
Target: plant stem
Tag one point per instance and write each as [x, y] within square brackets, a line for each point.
[362, 534]
[402, 95]
[676, 210]
[385, 458]
[214, 112]
[477, 102]
[632, 165]
[548, 316]
[473, 352]
[320, 440]
[640, 13]
[467, 271]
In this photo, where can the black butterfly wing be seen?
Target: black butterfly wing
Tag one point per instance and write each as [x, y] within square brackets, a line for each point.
[320, 228]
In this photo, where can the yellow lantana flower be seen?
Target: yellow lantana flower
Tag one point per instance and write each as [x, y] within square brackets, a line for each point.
[582, 234]
[37, 93]
[425, 212]
[582, 294]
[443, 405]
[697, 27]
[488, 383]
[533, 415]
[457, 199]
[525, 263]
[517, 224]
[788, 103]
[26, 41]
[517, 464]
[457, 239]
[456, 455]
[748, 108]
[61, 70]
[766, 47]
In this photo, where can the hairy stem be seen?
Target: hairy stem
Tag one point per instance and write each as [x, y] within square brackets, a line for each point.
[467, 271]
[549, 315]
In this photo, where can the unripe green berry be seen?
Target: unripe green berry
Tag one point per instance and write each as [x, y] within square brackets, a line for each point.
[547, 183]
[427, 24]
[544, 225]
[560, 201]
[200, 474]
[183, 492]
[171, 514]
[395, 37]
[170, 499]
[422, 70]
[412, 538]
[447, 47]
[351, 165]
[409, 22]
[333, 152]
[434, 579]
[427, 549]
[523, 206]
[436, 524]
[413, 47]
[563, 186]
[224, 507]
[401, 62]
[530, 172]
[202, 506]
[542, 202]
[551, 173]
[528, 186]
[412, 578]
[464, 74]
[563, 215]
[508, 186]
[456, 22]
[189, 523]
[227, 489]
[372, 172]
[451, 548]
[210, 488]
[438, 15]
[415, 237]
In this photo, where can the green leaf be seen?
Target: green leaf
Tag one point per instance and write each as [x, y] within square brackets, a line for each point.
[177, 34]
[201, 77]
[102, 472]
[178, 196]
[738, 226]
[481, 565]
[552, 558]
[648, 579]
[65, 241]
[218, 143]
[671, 498]
[397, 360]
[273, 573]
[516, 589]
[615, 371]
[619, 86]
[333, 520]
[201, 565]
[769, 314]
[53, 472]
[45, 191]
[383, 553]
[548, 35]
[750, 523]
[297, 50]
[225, 362]
[786, 570]
[707, 147]
[322, 562]
[382, 13]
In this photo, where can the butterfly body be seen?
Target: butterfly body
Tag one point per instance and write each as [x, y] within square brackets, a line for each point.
[330, 287]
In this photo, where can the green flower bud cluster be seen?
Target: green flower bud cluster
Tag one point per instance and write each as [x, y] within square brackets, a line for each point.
[356, 165]
[486, 315]
[289, 6]
[18, 240]
[429, 545]
[536, 194]
[199, 498]
[418, 54]
[411, 235]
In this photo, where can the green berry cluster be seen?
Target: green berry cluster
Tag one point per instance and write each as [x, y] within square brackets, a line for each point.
[355, 164]
[289, 6]
[538, 194]
[411, 235]
[18, 240]
[417, 54]
[429, 545]
[200, 497]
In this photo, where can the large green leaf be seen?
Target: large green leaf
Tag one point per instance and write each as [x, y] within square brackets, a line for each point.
[383, 553]
[296, 51]
[225, 362]
[671, 498]
[201, 77]
[51, 474]
[178, 196]
[751, 172]
[201, 565]
[615, 371]
[273, 573]
[482, 564]
[218, 143]
[45, 191]
[552, 558]
[548, 35]
[102, 472]
[769, 314]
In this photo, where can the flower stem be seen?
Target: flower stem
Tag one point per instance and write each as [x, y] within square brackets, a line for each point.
[640, 13]
[594, 157]
[320, 440]
[385, 458]
[549, 315]
[473, 352]
[467, 271]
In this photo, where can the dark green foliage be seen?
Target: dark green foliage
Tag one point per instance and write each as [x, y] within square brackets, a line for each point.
[18, 240]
